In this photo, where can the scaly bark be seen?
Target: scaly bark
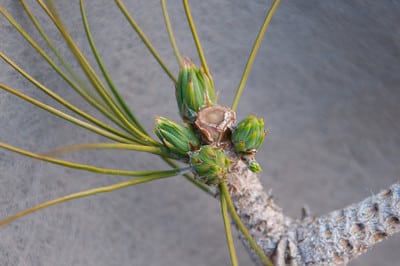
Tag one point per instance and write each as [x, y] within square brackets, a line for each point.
[332, 239]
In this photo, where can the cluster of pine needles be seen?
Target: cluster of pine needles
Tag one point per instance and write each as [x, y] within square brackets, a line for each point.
[124, 131]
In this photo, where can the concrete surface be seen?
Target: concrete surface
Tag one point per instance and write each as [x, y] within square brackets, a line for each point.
[326, 80]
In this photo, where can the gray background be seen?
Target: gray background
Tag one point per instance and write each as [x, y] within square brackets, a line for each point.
[326, 80]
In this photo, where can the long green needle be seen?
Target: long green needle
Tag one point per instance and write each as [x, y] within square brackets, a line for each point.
[99, 146]
[79, 166]
[61, 100]
[253, 53]
[228, 231]
[170, 31]
[145, 40]
[91, 74]
[104, 71]
[65, 116]
[196, 37]
[87, 193]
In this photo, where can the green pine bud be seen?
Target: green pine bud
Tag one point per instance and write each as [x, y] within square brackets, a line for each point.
[178, 140]
[253, 165]
[249, 134]
[193, 91]
[210, 164]
[208, 85]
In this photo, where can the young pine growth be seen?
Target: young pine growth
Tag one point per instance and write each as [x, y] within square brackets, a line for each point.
[194, 91]
[204, 143]
[248, 137]
[249, 134]
[210, 164]
[178, 140]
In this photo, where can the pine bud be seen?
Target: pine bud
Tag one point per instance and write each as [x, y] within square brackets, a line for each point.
[249, 135]
[193, 91]
[210, 164]
[252, 164]
[178, 140]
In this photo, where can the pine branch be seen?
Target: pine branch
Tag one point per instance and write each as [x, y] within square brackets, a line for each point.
[343, 235]
[332, 239]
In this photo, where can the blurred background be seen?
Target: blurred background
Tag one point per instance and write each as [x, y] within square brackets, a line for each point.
[326, 80]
